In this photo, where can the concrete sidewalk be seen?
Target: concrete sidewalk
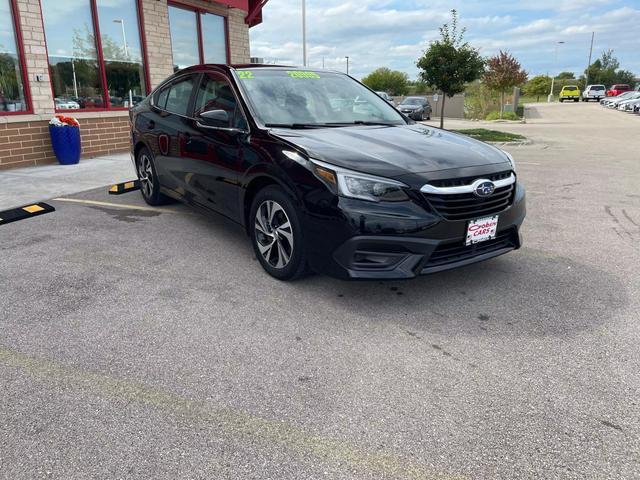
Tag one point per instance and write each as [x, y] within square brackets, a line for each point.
[34, 184]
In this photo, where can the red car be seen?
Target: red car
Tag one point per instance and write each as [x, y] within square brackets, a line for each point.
[616, 90]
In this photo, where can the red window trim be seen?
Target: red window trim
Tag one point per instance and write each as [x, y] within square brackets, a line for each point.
[101, 67]
[15, 18]
[199, 12]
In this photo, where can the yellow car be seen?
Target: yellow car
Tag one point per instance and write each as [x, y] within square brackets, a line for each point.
[570, 92]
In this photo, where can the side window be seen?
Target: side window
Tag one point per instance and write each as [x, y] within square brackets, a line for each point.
[179, 95]
[161, 98]
[215, 93]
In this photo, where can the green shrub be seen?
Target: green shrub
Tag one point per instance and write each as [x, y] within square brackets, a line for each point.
[505, 116]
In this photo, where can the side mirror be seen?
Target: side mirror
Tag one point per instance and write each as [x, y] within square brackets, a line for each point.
[214, 119]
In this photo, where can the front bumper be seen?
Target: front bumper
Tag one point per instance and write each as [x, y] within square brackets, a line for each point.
[374, 244]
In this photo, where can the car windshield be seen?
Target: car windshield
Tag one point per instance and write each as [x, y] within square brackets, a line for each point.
[412, 101]
[284, 98]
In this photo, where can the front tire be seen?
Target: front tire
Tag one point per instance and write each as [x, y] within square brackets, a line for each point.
[276, 234]
[148, 178]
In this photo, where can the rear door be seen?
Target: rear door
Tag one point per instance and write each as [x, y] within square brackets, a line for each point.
[172, 105]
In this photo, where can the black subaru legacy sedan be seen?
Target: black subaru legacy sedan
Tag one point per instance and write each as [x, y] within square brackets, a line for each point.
[323, 174]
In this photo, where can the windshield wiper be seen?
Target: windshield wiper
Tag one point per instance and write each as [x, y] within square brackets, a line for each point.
[364, 122]
[296, 125]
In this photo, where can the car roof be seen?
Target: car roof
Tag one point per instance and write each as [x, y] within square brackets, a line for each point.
[237, 66]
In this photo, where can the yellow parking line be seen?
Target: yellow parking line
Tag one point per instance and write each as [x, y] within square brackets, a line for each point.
[116, 205]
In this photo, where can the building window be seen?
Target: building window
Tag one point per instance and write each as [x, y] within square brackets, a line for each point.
[196, 37]
[184, 37]
[89, 72]
[122, 52]
[13, 96]
[214, 45]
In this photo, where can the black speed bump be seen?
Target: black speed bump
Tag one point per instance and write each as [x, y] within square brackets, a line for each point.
[28, 211]
[120, 188]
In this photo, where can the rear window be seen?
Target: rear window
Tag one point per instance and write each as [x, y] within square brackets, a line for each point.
[621, 87]
[571, 88]
[597, 87]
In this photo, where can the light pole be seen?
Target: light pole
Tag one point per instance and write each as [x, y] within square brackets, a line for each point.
[553, 78]
[304, 33]
[126, 53]
[124, 37]
[347, 64]
[586, 82]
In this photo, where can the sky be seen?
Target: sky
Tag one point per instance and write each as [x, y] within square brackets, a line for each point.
[394, 33]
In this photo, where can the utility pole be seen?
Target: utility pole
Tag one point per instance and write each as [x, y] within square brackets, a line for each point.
[586, 82]
[553, 78]
[304, 33]
[347, 64]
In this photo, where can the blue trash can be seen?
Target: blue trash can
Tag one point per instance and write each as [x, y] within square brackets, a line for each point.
[66, 144]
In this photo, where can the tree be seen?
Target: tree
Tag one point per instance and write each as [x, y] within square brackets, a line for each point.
[386, 80]
[566, 76]
[450, 63]
[606, 71]
[537, 86]
[503, 73]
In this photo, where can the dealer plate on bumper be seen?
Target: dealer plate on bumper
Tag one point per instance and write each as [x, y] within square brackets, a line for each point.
[481, 230]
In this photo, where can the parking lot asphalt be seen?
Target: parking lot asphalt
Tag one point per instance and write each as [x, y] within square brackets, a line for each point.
[140, 342]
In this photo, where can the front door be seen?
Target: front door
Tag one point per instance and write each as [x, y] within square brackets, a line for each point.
[215, 149]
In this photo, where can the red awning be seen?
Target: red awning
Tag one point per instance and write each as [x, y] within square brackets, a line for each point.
[252, 7]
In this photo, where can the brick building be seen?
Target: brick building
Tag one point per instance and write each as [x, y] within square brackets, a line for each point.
[93, 59]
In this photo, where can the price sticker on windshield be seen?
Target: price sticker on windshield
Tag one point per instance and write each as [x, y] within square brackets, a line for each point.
[245, 74]
[302, 74]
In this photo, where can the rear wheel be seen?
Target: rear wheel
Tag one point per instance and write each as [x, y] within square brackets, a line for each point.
[276, 234]
[148, 178]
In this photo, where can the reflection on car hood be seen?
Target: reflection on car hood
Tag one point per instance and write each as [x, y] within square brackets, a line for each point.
[392, 151]
[409, 107]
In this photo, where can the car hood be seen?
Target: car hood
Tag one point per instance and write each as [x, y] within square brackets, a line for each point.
[409, 107]
[393, 151]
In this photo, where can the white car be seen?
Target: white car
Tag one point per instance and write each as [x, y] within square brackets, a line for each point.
[65, 104]
[613, 102]
[628, 105]
[594, 92]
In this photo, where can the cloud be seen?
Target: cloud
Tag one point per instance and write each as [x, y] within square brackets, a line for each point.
[394, 33]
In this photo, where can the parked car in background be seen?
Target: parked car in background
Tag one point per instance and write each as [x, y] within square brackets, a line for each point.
[629, 105]
[66, 104]
[352, 189]
[570, 92]
[630, 95]
[594, 92]
[387, 97]
[618, 89]
[606, 102]
[416, 108]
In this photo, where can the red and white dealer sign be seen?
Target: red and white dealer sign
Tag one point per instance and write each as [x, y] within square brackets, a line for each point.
[481, 230]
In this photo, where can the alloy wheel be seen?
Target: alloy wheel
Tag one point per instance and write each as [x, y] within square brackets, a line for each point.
[274, 234]
[145, 174]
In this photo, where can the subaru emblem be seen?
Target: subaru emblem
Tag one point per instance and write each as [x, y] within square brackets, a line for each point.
[483, 188]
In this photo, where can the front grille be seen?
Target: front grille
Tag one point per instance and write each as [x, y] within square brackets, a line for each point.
[458, 182]
[457, 251]
[466, 206]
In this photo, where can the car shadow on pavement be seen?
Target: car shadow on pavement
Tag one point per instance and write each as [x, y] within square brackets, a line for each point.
[525, 293]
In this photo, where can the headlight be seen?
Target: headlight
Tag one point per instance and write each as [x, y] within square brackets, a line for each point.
[359, 185]
[511, 160]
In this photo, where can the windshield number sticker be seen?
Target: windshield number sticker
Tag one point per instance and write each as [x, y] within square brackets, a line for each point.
[245, 74]
[298, 74]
